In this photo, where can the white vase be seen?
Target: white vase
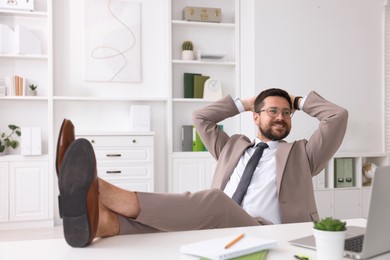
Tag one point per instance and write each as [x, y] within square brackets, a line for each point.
[329, 244]
[187, 55]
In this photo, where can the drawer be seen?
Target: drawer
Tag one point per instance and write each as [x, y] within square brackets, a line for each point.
[135, 185]
[125, 170]
[119, 140]
[137, 154]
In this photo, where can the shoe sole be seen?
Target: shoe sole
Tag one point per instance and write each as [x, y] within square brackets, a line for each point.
[77, 172]
[58, 146]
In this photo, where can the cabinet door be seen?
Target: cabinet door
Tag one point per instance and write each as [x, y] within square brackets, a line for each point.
[3, 192]
[324, 203]
[29, 196]
[366, 197]
[347, 203]
[188, 174]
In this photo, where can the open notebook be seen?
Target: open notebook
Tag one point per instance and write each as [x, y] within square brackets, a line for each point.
[215, 248]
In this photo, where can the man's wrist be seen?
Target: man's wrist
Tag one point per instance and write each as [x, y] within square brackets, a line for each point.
[296, 102]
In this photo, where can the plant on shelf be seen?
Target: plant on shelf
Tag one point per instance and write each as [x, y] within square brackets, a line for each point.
[8, 140]
[32, 89]
[187, 50]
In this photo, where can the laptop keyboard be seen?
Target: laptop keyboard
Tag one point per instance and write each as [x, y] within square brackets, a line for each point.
[354, 244]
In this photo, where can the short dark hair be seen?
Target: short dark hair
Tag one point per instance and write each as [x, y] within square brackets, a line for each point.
[259, 101]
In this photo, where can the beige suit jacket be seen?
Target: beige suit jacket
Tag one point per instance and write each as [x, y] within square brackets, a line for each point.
[296, 162]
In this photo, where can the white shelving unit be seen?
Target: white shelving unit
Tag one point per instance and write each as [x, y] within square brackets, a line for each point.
[33, 206]
[191, 170]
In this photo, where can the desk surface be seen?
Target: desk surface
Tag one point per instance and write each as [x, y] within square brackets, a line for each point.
[161, 245]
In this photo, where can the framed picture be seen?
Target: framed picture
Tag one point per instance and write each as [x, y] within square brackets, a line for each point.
[112, 40]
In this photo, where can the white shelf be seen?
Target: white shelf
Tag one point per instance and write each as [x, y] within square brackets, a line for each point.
[23, 13]
[102, 99]
[204, 62]
[30, 98]
[203, 24]
[24, 56]
[191, 100]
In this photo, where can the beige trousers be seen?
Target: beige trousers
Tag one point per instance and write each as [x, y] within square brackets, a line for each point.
[206, 209]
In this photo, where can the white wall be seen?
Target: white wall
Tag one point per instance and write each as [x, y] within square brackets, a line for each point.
[334, 47]
[113, 115]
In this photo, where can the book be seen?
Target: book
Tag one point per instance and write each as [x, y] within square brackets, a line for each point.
[186, 138]
[199, 85]
[198, 145]
[261, 255]
[188, 83]
[215, 248]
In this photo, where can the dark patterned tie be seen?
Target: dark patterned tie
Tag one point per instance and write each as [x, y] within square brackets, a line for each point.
[248, 173]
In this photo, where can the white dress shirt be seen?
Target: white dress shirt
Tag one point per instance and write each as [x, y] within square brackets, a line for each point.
[261, 199]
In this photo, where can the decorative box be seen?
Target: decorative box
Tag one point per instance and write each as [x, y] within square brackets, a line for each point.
[25, 5]
[202, 14]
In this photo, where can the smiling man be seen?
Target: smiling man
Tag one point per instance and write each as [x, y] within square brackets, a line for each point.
[256, 182]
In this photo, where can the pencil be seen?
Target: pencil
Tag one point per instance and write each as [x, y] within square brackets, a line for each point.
[234, 241]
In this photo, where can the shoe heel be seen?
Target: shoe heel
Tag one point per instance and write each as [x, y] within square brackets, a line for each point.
[75, 236]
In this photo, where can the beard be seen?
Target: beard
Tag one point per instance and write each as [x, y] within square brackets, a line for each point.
[275, 135]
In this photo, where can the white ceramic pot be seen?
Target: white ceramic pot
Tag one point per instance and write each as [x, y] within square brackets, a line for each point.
[187, 55]
[329, 244]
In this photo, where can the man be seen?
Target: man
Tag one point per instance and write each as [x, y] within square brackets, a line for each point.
[280, 190]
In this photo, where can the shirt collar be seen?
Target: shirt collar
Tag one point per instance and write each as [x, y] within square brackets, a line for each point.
[271, 144]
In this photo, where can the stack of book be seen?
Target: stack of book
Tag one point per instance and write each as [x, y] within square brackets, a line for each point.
[190, 139]
[194, 84]
[15, 85]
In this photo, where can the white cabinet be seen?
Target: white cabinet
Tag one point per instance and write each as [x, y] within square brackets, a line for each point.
[124, 159]
[343, 202]
[24, 195]
[192, 174]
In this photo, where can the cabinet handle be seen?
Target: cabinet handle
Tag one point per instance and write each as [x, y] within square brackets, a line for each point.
[114, 155]
[113, 172]
[92, 141]
[134, 141]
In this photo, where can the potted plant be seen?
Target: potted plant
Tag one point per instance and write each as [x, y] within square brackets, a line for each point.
[329, 234]
[7, 140]
[187, 50]
[32, 90]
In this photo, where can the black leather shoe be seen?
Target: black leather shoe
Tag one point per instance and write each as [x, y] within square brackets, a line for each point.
[65, 138]
[78, 200]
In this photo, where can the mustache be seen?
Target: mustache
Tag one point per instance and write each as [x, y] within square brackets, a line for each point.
[279, 122]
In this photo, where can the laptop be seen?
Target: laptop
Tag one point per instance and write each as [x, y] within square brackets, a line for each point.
[374, 238]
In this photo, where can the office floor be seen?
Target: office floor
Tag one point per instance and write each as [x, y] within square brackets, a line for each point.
[31, 234]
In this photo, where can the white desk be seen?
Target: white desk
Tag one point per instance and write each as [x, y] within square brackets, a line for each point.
[161, 245]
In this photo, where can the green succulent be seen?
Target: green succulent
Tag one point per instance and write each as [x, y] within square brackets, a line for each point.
[33, 87]
[330, 224]
[7, 140]
[187, 46]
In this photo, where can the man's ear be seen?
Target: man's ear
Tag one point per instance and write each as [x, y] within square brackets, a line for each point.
[256, 118]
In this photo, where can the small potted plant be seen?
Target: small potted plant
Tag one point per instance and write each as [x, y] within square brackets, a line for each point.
[32, 89]
[329, 234]
[187, 50]
[8, 140]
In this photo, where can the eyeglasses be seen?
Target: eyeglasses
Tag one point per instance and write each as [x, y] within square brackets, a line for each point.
[274, 112]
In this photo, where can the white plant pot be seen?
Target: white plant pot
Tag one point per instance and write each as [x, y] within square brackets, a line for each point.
[329, 244]
[187, 55]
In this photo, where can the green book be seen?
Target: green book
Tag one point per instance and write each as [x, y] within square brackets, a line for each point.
[198, 145]
[188, 83]
[199, 85]
[261, 255]
[343, 171]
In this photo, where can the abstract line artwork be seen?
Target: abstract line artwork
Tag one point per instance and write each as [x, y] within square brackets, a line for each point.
[112, 40]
